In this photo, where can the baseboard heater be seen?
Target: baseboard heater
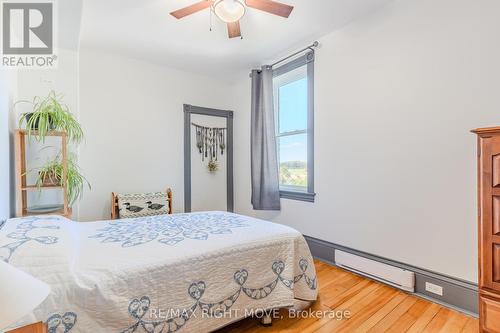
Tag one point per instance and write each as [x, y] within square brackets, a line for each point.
[394, 276]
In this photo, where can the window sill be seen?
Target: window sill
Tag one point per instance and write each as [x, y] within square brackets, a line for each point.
[300, 196]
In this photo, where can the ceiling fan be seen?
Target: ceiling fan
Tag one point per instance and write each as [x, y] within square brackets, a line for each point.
[231, 11]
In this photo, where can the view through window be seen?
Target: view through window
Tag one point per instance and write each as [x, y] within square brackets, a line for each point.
[291, 105]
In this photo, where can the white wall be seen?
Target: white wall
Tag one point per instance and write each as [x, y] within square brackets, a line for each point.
[8, 80]
[396, 95]
[208, 189]
[132, 114]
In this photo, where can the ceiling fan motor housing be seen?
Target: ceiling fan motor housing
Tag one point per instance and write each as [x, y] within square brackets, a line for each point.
[229, 11]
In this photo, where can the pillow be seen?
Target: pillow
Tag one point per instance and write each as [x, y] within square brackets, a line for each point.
[143, 204]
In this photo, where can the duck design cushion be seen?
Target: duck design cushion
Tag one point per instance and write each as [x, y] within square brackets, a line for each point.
[143, 204]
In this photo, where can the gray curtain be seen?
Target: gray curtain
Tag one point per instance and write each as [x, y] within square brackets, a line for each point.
[265, 173]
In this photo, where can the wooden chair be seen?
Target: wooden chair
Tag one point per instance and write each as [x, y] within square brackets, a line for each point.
[115, 213]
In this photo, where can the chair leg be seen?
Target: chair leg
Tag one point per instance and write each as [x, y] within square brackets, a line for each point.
[266, 320]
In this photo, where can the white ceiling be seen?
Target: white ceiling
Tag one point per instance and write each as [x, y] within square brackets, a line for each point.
[144, 29]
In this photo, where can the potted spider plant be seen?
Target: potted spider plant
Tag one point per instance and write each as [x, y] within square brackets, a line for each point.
[50, 114]
[52, 173]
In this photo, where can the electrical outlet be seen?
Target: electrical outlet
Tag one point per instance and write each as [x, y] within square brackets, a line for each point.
[434, 288]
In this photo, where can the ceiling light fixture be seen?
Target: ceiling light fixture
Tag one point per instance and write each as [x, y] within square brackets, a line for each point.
[229, 11]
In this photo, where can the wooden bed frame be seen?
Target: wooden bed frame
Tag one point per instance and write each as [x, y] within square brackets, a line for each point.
[115, 214]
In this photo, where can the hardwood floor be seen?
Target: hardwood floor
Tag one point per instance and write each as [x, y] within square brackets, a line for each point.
[373, 307]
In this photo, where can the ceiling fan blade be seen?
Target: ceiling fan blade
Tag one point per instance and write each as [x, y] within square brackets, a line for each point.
[270, 6]
[178, 14]
[233, 29]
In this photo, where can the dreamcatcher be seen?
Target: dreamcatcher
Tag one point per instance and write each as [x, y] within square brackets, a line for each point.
[210, 141]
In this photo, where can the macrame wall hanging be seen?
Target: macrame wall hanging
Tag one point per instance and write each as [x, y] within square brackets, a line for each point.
[210, 142]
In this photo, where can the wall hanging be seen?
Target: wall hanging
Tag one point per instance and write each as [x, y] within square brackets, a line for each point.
[210, 142]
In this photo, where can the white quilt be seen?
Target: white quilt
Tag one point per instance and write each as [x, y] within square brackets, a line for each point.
[183, 272]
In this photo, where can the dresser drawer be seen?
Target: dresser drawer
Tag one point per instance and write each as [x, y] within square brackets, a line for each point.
[489, 314]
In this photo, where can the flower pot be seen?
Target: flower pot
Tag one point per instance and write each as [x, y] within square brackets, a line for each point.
[50, 179]
[34, 126]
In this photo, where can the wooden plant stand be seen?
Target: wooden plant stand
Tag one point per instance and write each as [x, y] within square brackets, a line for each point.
[22, 187]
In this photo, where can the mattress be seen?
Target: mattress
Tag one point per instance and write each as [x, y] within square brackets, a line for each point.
[191, 272]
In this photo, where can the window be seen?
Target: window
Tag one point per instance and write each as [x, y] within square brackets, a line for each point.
[293, 101]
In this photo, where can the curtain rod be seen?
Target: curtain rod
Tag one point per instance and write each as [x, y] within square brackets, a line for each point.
[310, 47]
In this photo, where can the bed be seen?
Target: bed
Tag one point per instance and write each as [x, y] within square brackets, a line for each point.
[192, 272]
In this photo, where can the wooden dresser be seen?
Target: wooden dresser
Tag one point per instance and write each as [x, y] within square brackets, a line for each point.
[489, 227]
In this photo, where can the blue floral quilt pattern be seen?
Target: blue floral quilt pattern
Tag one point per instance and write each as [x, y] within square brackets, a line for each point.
[23, 235]
[139, 307]
[168, 229]
[61, 323]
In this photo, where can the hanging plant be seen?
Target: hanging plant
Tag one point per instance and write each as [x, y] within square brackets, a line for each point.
[213, 166]
[50, 114]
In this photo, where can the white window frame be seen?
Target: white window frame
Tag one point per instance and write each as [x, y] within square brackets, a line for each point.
[299, 192]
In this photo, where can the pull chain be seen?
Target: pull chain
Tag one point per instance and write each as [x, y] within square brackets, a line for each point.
[210, 18]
